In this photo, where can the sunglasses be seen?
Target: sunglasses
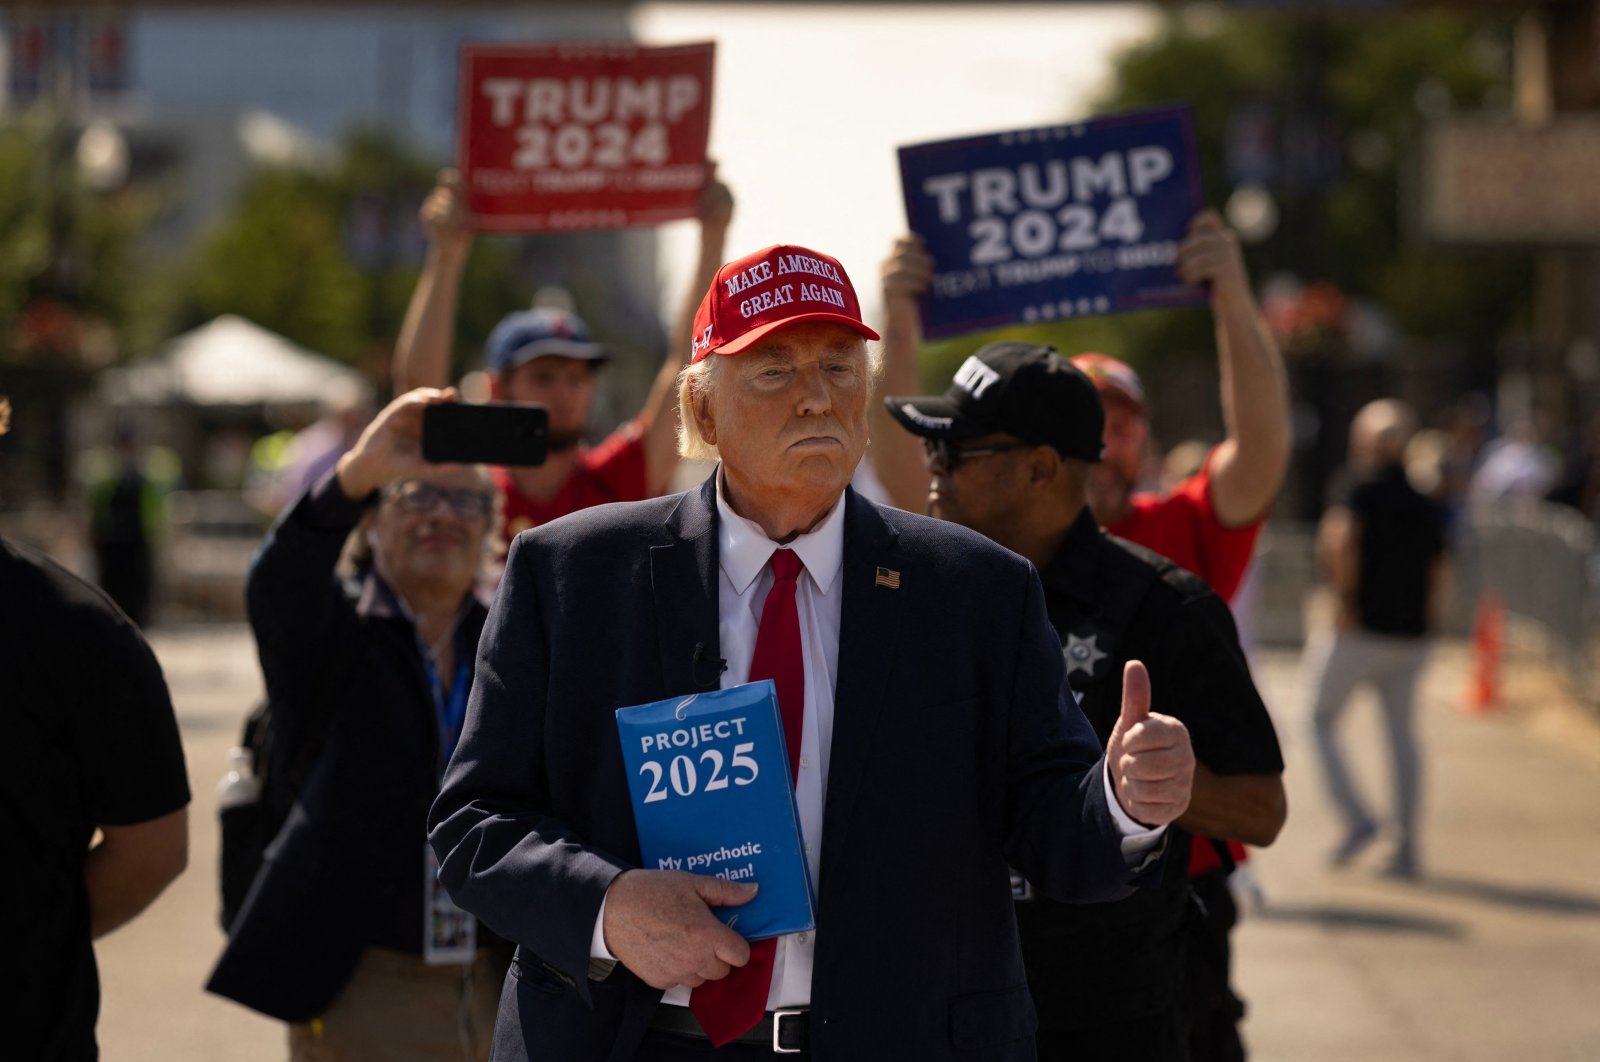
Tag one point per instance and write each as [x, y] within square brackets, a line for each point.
[947, 455]
[420, 498]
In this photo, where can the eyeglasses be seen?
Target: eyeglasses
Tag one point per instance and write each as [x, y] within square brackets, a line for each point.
[947, 455]
[420, 498]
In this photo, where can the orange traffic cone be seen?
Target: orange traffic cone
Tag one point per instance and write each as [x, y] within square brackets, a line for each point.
[1488, 640]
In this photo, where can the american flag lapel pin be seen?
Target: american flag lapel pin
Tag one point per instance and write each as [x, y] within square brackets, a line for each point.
[887, 577]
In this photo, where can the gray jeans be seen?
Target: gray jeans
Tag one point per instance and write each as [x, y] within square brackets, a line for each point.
[1340, 661]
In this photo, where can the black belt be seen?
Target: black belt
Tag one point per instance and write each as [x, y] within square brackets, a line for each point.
[787, 1032]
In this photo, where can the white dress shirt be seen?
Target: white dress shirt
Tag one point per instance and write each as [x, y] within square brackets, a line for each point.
[743, 550]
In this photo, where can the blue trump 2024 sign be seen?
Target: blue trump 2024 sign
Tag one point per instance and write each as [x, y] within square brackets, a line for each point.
[1053, 223]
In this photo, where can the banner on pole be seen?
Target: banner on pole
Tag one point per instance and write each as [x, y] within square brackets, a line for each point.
[563, 137]
[1053, 223]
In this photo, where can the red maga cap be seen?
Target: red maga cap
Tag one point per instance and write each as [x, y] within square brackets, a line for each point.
[763, 292]
[1112, 375]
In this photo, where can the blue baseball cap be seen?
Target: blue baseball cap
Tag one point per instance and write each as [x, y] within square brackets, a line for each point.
[527, 334]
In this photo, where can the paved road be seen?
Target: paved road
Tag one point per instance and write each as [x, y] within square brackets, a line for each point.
[152, 1006]
[1494, 955]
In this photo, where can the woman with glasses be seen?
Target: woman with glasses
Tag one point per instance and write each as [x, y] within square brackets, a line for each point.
[363, 602]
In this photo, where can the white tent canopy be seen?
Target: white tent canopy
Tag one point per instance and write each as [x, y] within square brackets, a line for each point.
[228, 362]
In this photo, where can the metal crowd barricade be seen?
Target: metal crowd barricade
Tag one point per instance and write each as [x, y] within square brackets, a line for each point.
[212, 536]
[1541, 560]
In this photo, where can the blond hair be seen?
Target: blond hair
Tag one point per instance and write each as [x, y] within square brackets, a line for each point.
[698, 381]
[695, 380]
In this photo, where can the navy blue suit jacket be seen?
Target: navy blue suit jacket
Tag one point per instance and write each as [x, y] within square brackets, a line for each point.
[955, 752]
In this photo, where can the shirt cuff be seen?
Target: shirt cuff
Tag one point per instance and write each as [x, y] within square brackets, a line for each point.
[1137, 840]
[601, 961]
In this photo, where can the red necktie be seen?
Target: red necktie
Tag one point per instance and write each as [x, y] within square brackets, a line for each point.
[735, 1004]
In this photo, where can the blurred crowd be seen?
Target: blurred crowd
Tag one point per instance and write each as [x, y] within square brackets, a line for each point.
[370, 589]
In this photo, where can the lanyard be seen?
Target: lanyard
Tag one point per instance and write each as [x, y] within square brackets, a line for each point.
[452, 711]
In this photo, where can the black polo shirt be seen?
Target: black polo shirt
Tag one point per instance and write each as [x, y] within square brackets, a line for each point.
[1398, 534]
[1112, 601]
[91, 741]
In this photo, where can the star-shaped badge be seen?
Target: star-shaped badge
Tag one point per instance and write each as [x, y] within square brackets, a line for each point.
[1082, 654]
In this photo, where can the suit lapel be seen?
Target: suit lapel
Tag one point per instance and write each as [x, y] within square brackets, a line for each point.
[683, 585]
[683, 580]
[868, 634]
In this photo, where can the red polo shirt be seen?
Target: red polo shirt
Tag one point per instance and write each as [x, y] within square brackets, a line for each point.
[1183, 527]
[611, 472]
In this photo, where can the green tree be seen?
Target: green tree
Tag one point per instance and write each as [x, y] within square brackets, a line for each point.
[279, 262]
[69, 264]
[1368, 84]
[328, 256]
[72, 293]
[1372, 83]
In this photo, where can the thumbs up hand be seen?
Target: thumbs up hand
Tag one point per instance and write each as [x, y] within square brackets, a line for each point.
[1151, 763]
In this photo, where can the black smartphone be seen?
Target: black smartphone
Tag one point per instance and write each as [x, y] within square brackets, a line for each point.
[495, 433]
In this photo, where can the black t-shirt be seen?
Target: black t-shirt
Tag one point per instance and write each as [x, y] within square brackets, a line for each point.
[1112, 601]
[1398, 534]
[91, 740]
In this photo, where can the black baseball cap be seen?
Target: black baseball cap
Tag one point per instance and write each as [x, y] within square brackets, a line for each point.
[1023, 389]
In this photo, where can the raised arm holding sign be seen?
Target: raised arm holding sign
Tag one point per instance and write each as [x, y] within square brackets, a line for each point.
[1248, 466]
[528, 365]
[897, 456]
[1250, 463]
[564, 137]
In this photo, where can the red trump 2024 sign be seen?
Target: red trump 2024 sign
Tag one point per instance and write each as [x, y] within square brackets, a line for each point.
[582, 136]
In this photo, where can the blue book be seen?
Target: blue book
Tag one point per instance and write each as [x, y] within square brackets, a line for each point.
[709, 776]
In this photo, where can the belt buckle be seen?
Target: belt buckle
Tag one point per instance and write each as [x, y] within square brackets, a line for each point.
[777, 1039]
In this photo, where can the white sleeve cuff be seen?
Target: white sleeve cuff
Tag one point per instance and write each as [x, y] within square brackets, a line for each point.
[597, 942]
[1137, 840]
[601, 961]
